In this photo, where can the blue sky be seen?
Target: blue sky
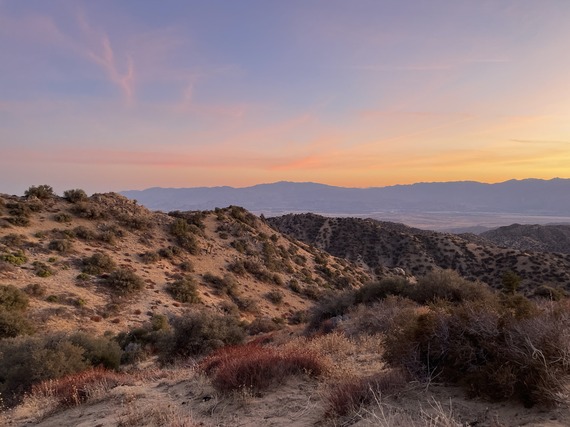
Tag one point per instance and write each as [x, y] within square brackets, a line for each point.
[111, 95]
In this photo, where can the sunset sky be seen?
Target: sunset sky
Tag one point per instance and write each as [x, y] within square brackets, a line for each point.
[117, 95]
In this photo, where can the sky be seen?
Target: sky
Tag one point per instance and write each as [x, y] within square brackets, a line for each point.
[118, 95]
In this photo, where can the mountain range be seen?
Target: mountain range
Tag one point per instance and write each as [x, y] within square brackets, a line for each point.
[438, 205]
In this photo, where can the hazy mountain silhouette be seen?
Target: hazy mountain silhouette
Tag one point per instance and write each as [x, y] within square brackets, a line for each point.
[528, 196]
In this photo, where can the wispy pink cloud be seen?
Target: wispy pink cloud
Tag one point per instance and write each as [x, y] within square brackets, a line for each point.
[101, 53]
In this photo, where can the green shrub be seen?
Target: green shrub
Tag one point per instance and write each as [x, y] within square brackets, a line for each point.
[62, 217]
[25, 361]
[98, 351]
[150, 257]
[42, 270]
[62, 246]
[179, 227]
[262, 325]
[199, 332]
[184, 290]
[222, 285]
[124, 282]
[186, 266]
[275, 296]
[15, 258]
[98, 263]
[84, 233]
[42, 192]
[88, 210]
[75, 196]
[13, 323]
[12, 298]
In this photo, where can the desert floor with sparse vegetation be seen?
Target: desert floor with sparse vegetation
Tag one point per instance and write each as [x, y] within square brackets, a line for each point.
[113, 315]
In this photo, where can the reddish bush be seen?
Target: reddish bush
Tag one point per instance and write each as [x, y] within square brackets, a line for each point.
[77, 388]
[255, 367]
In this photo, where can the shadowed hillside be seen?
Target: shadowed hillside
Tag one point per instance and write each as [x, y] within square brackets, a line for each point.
[544, 238]
[380, 245]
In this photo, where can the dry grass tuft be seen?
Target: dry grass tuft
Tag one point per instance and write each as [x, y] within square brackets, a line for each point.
[255, 367]
[75, 389]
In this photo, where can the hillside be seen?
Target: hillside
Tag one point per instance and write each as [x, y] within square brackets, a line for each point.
[381, 245]
[236, 262]
[113, 315]
[544, 238]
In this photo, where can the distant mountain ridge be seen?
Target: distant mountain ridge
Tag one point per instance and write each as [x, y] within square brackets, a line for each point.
[528, 196]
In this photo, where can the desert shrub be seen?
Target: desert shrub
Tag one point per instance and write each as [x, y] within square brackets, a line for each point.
[60, 245]
[256, 368]
[195, 219]
[150, 257]
[329, 306]
[553, 293]
[98, 351]
[184, 290]
[246, 303]
[179, 227]
[42, 270]
[13, 323]
[492, 353]
[35, 290]
[450, 286]
[222, 285]
[378, 317]
[298, 317]
[275, 296]
[98, 263]
[62, 217]
[186, 266]
[42, 192]
[12, 298]
[19, 220]
[136, 222]
[124, 282]
[74, 389]
[169, 252]
[376, 291]
[199, 332]
[262, 325]
[28, 360]
[13, 240]
[351, 394]
[189, 243]
[89, 210]
[75, 195]
[14, 258]
[241, 215]
[84, 233]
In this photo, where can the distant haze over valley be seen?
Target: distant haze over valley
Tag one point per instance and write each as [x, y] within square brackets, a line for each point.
[450, 206]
